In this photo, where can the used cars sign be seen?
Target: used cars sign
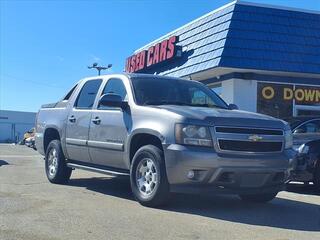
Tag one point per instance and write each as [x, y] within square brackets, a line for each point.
[156, 54]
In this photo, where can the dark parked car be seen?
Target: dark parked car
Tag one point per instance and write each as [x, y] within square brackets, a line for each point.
[308, 164]
[304, 129]
[306, 141]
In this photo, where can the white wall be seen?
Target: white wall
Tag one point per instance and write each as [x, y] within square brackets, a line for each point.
[14, 124]
[241, 92]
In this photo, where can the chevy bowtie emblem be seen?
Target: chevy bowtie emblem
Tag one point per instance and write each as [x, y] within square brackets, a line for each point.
[255, 138]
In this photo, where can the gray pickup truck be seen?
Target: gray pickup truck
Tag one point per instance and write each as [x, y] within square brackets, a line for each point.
[167, 135]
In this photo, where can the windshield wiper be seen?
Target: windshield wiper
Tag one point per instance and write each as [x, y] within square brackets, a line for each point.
[165, 102]
[208, 105]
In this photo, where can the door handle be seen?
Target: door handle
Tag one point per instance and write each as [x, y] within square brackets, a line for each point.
[72, 119]
[96, 120]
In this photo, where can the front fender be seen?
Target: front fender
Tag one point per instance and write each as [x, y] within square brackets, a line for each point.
[140, 131]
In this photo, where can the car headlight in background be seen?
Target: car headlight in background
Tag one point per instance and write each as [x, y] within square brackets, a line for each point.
[193, 135]
[303, 149]
[288, 139]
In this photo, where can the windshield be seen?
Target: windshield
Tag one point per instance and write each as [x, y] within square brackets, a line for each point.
[168, 91]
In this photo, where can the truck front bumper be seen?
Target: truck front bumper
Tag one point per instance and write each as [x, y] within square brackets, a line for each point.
[194, 169]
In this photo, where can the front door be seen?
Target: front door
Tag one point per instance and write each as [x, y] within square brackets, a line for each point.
[78, 122]
[109, 129]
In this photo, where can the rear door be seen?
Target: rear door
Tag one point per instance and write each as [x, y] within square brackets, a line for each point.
[78, 121]
[109, 129]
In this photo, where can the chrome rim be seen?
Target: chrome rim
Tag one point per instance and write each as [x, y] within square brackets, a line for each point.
[146, 177]
[52, 162]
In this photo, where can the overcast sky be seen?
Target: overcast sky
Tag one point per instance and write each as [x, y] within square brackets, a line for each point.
[46, 46]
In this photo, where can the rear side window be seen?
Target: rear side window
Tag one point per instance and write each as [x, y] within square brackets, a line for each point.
[66, 98]
[88, 94]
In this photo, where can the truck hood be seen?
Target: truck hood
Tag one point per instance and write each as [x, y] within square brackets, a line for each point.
[225, 117]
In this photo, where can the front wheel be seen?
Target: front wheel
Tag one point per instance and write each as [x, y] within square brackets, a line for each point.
[55, 164]
[258, 198]
[148, 176]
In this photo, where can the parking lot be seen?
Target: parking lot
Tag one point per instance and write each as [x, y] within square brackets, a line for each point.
[94, 206]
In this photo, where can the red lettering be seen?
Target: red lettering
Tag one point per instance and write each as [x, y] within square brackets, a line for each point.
[150, 56]
[133, 63]
[137, 62]
[171, 47]
[163, 51]
[142, 60]
[156, 53]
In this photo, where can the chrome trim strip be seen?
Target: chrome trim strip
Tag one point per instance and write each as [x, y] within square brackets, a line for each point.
[272, 129]
[78, 142]
[108, 145]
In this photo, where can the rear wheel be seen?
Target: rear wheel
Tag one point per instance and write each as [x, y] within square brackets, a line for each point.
[55, 164]
[258, 198]
[148, 176]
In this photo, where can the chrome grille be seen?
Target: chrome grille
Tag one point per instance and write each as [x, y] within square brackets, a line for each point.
[249, 131]
[248, 140]
[246, 146]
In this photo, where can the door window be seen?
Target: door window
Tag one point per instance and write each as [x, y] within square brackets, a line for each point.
[115, 86]
[88, 94]
[309, 127]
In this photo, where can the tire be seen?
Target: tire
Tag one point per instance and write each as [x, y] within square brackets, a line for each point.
[258, 198]
[55, 164]
[148, 165]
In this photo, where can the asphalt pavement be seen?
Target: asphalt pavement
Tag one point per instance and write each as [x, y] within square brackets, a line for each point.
[95, 206]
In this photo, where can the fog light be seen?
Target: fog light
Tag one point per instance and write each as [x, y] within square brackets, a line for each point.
[190, 174]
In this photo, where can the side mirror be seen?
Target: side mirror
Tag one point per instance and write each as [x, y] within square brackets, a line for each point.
[233, 106]
[112, 100]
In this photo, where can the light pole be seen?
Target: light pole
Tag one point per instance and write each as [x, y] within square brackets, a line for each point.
[99, 68]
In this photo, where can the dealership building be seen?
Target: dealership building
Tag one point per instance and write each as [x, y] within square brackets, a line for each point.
[263, 58]
[13, 125]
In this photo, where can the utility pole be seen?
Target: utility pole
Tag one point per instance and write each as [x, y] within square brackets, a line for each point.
[99, 68]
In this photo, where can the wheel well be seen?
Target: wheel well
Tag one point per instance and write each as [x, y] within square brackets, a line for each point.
[49, 135]
[143, 139]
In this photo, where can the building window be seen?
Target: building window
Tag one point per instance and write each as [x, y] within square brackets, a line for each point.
[287, 100]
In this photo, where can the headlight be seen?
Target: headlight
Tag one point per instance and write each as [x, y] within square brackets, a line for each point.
[303, 149]
[193, 135]
[288, 139]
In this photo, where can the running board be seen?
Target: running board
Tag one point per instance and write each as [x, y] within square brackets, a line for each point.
[98, 170]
